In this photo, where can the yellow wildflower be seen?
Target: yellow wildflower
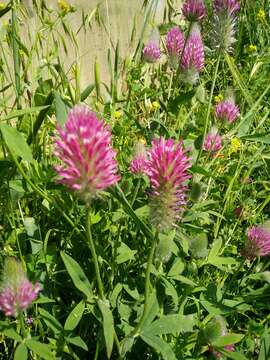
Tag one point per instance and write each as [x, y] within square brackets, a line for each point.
[235, 145]
[142, 140]
[149, 106]
[2, 5]
[261, 15]
[251, 48]
[218, 98]
[64, 6]
[155, 105]
[117, 114]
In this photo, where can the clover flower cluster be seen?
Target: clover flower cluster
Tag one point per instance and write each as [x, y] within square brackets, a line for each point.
[84, 146]
[258, 242]
[166, 165]
[16, 292]
[194, 10]
[224, 24]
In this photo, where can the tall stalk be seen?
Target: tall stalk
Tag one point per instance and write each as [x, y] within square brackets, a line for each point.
[92, 248]
[16, 54]
[206, 124]
[147, 286]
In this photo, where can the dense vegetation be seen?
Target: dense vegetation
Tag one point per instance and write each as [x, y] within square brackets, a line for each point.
[159, 249]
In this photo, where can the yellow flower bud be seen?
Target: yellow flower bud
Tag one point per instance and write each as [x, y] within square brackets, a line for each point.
[117, 114]
[64, 6]
[235, 145]
[261, 15]
[218, 98]
[155, 105]
[251, 48]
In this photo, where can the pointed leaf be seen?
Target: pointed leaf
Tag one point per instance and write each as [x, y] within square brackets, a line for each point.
[42, 350]
[16, 142]
[75, 316]
[160, 346]
[77, 275]
[108, 326]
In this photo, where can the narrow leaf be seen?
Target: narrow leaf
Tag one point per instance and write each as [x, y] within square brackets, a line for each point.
[77, 275]
[160, 346]
[108, 326]
[75, 316]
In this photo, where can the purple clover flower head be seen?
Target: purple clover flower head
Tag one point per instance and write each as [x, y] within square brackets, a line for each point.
[174, 43]
[227, 110]
[17, 292]
[193, 57]
[225, 18]
[139, 164]
[85, 149]
[258, 242]
[151, 52]
[168, 165]
[230, 6]
[212, 142]
[194, 10]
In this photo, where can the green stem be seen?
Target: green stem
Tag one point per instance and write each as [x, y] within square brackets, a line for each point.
[16, 54]
[206, 124]
[147, 286]
[135, 192]
[233, 278]
[22, 326]
[93, 253]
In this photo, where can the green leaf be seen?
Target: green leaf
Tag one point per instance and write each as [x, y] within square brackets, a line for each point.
[61, 109]
[265, 346]
[87, 91]
[263, 138]
[124, 253]
[108, 326]
[77, 275]
[228, 339]
[232, 354]
[75, 316]
[51, 321]
[18, 113]
[16, 142]
[177, 267]
[215, 250]
[198, 245]
[77, 341]
[21, 352]
[11, 333]
[42, 350]
[170, 324]
[159, 345]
